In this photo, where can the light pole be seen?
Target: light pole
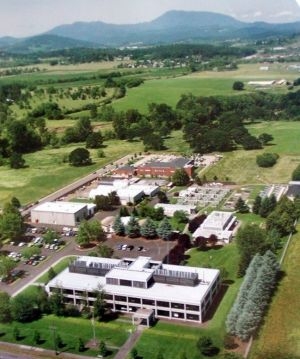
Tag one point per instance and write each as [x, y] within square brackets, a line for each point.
[93, 327]
[53, 328]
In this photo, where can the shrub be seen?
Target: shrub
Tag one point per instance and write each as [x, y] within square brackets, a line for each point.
[267, 159]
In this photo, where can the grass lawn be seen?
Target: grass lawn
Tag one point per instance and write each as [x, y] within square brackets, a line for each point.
[280, 333]
[114, 333]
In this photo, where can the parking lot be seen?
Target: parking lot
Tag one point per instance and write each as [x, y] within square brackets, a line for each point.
[134, 247]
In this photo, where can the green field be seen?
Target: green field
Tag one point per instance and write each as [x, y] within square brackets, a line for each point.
[46, 171]
[280, 334]
[169, 91]
[240, 166]
[207, 83]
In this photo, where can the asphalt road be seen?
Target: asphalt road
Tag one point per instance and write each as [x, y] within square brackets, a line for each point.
[79, 183]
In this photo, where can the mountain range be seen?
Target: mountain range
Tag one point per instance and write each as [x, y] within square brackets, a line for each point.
[171, 27]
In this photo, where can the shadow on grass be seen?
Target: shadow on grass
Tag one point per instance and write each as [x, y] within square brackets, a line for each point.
[216, 302]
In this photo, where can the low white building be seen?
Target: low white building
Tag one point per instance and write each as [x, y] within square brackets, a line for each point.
[62, 213]
[125, 191]
[170, 209]
[131, 284]
[219, 224]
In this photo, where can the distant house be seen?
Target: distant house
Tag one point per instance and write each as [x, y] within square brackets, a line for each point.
[219, 224]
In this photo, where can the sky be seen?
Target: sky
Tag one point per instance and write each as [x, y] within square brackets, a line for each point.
[21, 18]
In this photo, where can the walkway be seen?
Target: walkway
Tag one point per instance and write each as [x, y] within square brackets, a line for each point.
[130, 343]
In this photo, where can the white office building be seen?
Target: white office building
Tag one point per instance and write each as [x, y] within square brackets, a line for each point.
[62, 213]
[219, 224]
[135, 284]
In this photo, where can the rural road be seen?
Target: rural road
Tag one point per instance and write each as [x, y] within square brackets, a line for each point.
[79, 183]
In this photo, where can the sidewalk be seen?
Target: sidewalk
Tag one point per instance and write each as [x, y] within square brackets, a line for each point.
[16, 351]
[130, 343]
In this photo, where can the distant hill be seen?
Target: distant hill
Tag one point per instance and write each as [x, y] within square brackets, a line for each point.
[172, 27]
[42, 43]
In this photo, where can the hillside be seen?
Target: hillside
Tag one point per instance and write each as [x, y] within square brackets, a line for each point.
[172, 27]
[45, 43]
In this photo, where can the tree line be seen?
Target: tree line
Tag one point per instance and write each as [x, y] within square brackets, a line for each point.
[254, 296]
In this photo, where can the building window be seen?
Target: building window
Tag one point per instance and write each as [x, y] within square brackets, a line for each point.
[108, 296]
[148, 302]
[134, 300]
[178, 315]
[68, 291]
[113, 281]
[192, 317]
[177, 305]
[139, 284]
[120, 298]
[126, 283]
[162, 304]
[194, 308]
[163, 313]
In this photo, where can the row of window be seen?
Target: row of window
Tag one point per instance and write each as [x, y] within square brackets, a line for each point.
[120, 298]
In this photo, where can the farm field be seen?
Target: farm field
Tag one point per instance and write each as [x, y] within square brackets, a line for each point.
[280, 336]
[240, 166]
[206, 83]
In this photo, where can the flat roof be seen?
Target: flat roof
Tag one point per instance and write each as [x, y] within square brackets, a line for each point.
[216, 219]
[158, 291]
[60, 207]
[176, 207]
[177, 162]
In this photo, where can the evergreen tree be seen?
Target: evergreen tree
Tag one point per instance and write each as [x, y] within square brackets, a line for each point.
[164, 229]
[241, 206]
[132, 229]
[266, 207]
[123, 212]
[118, 226]
[36, 337]
[103, 349]
[243, 294]
[81, 346]
[250, 307]
[148, 229]
[256, 205]
[135, 212]
[250, 239]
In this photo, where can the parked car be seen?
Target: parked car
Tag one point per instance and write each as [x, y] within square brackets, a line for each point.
[140, 248]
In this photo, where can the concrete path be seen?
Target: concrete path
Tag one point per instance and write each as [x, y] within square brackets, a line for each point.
[130, 343]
